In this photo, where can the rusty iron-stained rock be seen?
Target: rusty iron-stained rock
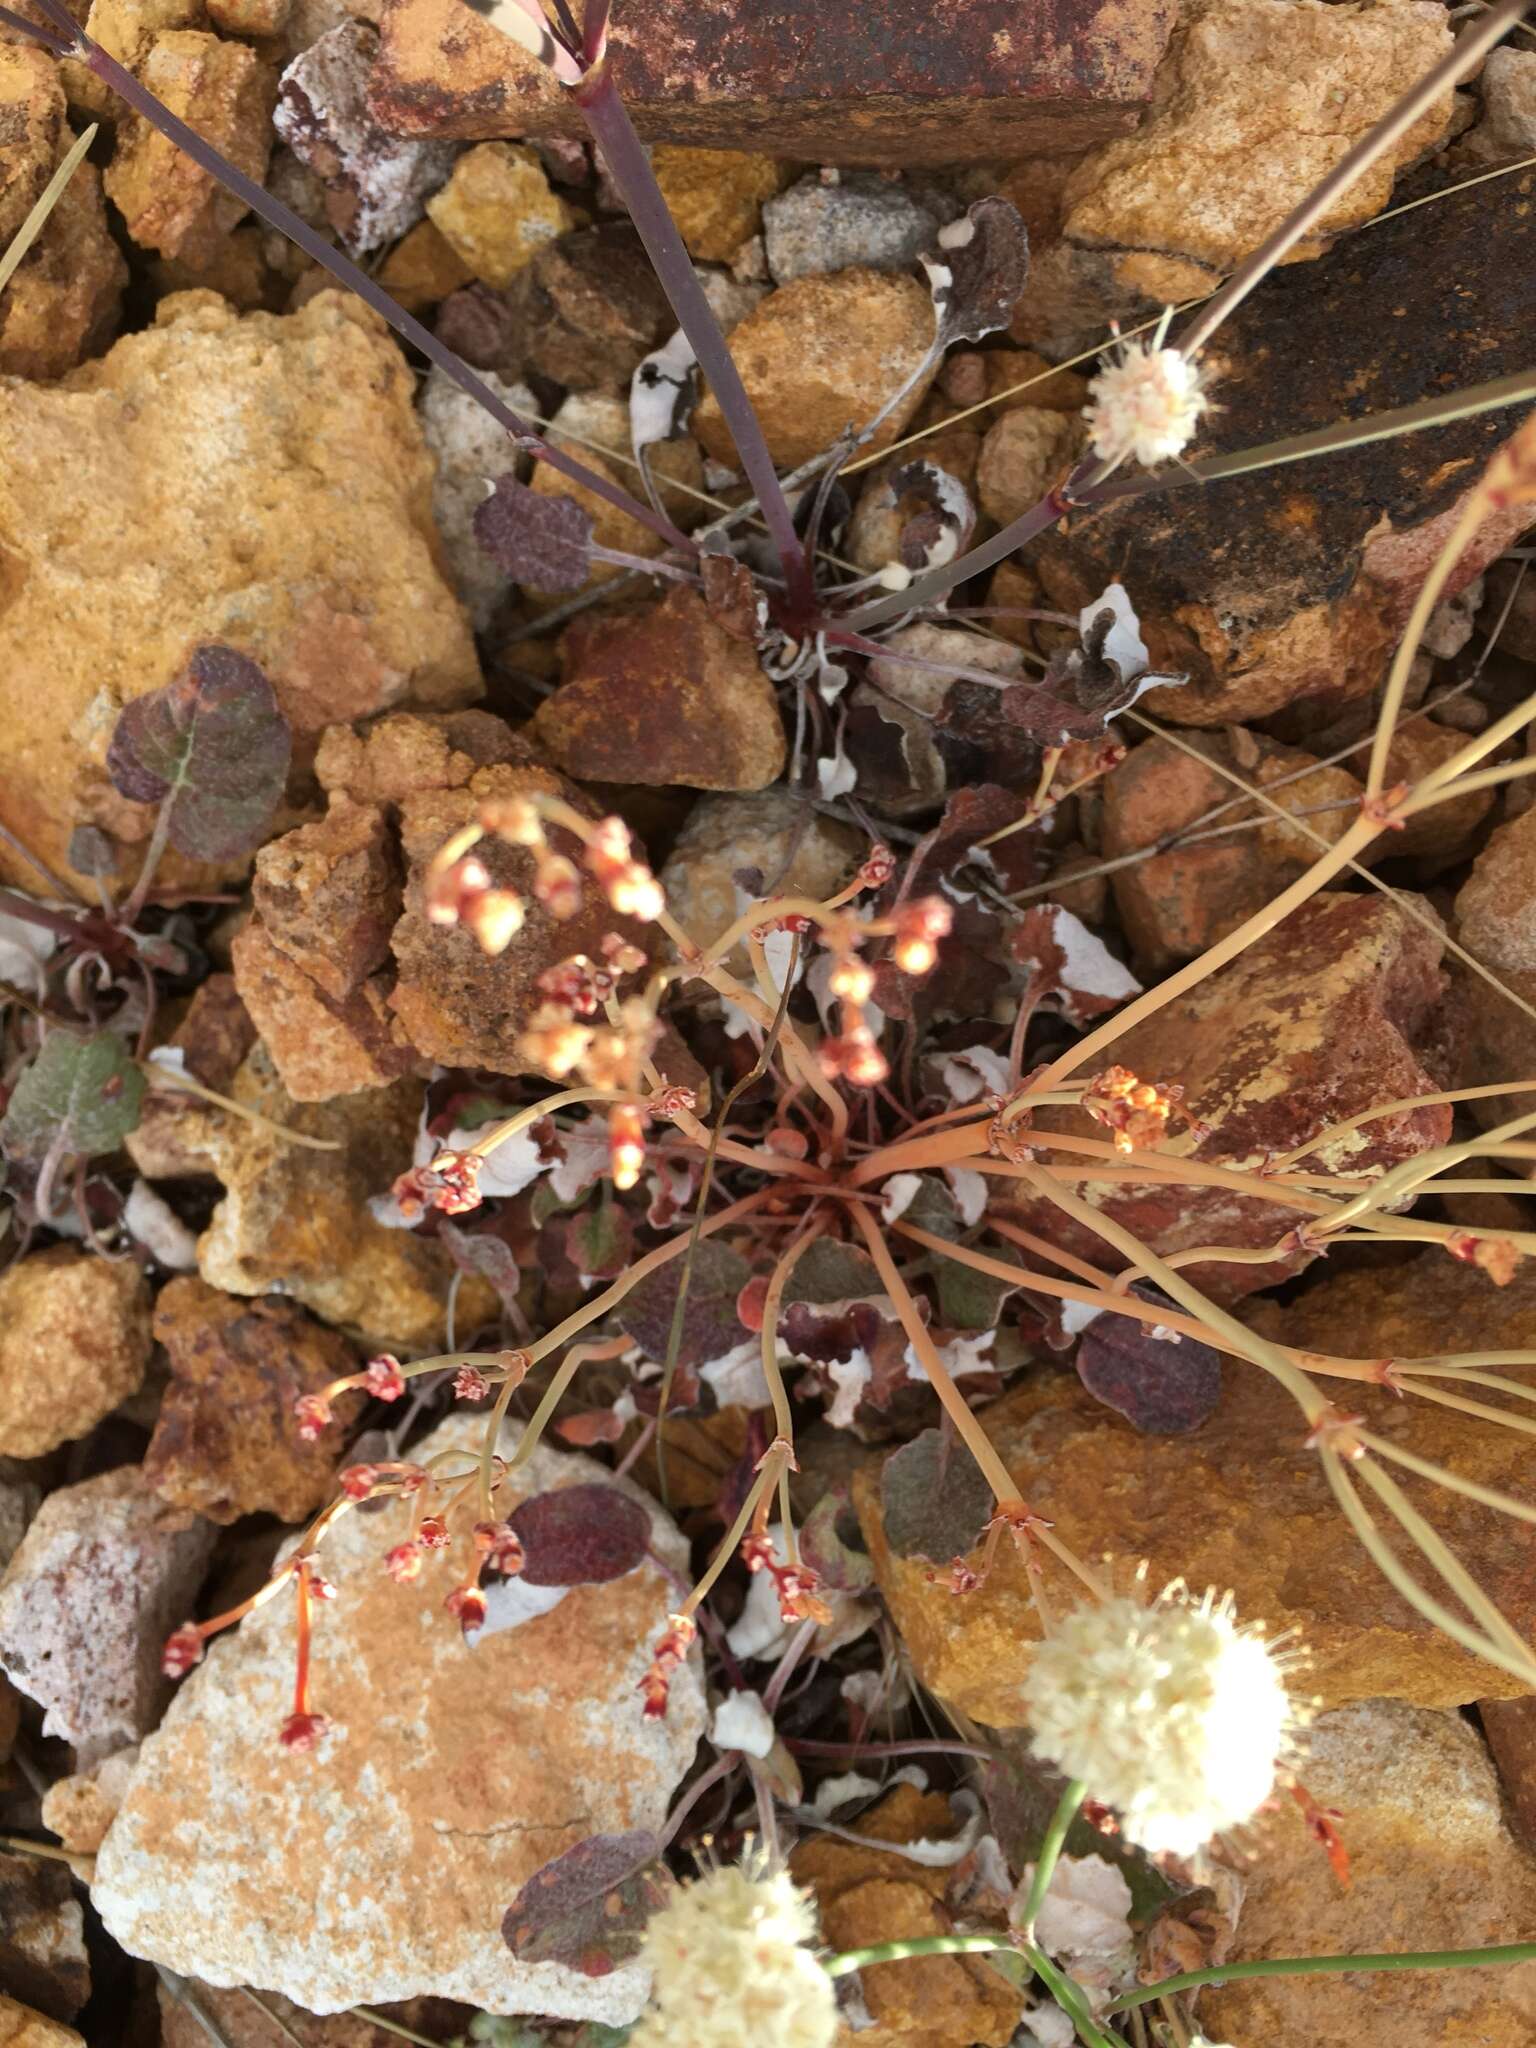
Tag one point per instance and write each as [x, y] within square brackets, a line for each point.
[1308, 1027]
[1286, 589]
[896, 81]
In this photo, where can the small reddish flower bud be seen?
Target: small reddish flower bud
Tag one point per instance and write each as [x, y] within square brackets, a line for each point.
[470, 1384]
[383, 1378]
[621, 955]
[320, 1587]
[312, 1412]
[670, 1651]
[302, 1731]
[183, 1649]
[854, 1057]
[668, 1103]
[919, 926]
[514, 819]
[403, 1563]
[879, 866]
[635, 892]
[626, 1145]
[756, 1551]
[457, 1182]
[453, 893]
[499, 1544]
[557, 886]
[467, 1605]
[358, 1481]
[433, 1532]
[852, 980]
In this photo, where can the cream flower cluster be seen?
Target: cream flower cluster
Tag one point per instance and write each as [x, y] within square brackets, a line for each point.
[730, 1968]
[1170, 1714]
[1145, 402]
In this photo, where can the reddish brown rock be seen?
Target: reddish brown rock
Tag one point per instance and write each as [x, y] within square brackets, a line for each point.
[456, 1004]
[1496, 906]
[867, 1894]
[823, 354]
[1305, 1029]
[895, 83]
[103, 1575]
[226, 1442]
[584, 313]
[1242, 1502]
[1175, 904]
[320, 1046]
[375, 183]
[224, 92]
[328, 893]
[210, 1041]
[422, 269]
[74, 1341]
[42, 1950]
[664, 695]
[410, 752]
[1492, 1038]
[62, 302]
[1284, 590]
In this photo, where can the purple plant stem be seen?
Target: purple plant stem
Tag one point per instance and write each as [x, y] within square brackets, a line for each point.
[630, 168]
[341, 267]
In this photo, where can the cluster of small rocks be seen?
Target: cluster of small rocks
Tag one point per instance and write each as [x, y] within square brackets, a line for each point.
[200, 439]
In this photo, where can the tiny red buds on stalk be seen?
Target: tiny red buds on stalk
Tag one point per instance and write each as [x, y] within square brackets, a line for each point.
[358, 1481]
[852, 981]
[1135, 1112]
[404, 1563]
[919, 926]
[626, 1145]
[669, 1653]
[470, 1384]
[557, 885]
[1495, 1256]
[312, 1414]
[670, 1103]
[879, 866]
[383, 1378]
[433, 1532]
[300, 1732]
[467, 1606]
[854, 1057]
[457, 1178]
[500, 1545]
[183, 1649]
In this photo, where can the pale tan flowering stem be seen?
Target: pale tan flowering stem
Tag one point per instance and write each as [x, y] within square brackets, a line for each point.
[1445, 1561]
[956, 1407]
[578, 1355]
[1404, 1104]
[1394, 1571]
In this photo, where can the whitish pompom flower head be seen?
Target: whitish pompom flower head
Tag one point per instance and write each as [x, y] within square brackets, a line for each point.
[730, 1968]
[1169, 1713]
[1146, 402]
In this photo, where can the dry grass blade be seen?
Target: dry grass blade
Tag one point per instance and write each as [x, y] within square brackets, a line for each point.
[37, 219]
